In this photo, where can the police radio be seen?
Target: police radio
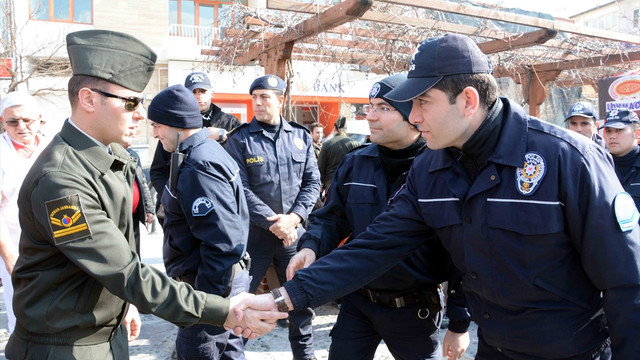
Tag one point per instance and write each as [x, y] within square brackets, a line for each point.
[176, 162]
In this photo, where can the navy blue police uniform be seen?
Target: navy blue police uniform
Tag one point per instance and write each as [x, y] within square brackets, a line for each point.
[402, 306]
[280, 177]
[206, 222]
[536, 234]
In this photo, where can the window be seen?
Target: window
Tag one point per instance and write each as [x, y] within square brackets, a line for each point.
[75, 11]
[636, 18]
[204, 13]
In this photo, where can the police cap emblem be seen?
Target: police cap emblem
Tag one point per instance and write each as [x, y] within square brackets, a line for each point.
[272, 81]
[201, 206]
[529, 176]
[374, 90]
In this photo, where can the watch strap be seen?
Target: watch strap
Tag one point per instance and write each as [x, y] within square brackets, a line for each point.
[278, 298]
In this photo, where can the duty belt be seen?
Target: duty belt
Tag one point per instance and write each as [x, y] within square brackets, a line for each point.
[429, 296]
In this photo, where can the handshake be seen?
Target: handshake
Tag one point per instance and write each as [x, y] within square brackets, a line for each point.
[253, 315]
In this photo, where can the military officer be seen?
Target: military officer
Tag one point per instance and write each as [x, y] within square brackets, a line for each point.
[78, 271]
[281, 180]
[403, 305]
[206, 218]
[546, 237]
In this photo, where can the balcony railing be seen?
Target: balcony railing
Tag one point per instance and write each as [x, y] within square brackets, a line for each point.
[203, 35]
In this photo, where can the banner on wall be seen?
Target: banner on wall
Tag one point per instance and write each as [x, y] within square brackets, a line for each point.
[621, 91]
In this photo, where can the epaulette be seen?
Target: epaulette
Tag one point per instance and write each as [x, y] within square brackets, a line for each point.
[234, 130]
[295, 124]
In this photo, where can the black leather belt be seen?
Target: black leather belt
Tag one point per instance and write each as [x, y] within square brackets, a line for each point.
[430, 297]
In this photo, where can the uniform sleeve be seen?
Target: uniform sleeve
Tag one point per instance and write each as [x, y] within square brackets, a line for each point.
[159, 171]
[258, 210]
[610, 256]
[310, 187]
[329, 225]
[221, 232]
[388, 240]
[106, 256]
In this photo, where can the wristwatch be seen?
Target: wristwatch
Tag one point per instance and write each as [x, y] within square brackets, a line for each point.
[221, 133]
[279, 300]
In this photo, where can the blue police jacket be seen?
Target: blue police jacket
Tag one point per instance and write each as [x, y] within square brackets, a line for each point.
[631, 182]
[357, 195]
[206, 217]
[536, 236]
[279, 177]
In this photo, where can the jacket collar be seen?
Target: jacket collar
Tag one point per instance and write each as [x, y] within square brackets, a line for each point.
[93, 152]
[194, 139]
[254, 125]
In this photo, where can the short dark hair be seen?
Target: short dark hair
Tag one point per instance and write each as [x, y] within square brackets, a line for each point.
[315, 125]
[78, 82]
[486, 84]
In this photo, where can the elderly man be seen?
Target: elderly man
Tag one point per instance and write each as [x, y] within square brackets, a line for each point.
[20, 146]
[78, 271]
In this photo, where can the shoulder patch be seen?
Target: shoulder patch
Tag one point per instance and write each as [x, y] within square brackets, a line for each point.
[529, 176]
[296, 125]
[66, 219]
[626, 213]
[229, 133]
[201, 206]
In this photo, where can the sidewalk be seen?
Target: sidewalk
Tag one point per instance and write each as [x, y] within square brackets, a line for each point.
[156, 341]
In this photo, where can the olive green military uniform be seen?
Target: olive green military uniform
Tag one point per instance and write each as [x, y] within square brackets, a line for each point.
[78, 269]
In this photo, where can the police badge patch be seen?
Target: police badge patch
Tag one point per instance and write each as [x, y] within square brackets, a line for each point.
[66, 219]
[529, 176]
[626, 213]
[298, 143]
[201, 206]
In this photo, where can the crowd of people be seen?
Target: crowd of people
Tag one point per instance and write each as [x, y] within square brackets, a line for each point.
[533, 229]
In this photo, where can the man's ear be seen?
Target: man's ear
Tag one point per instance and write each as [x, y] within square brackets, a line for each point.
[87, 99]
[471, 100]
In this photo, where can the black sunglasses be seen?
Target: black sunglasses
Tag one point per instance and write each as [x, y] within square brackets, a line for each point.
[130, 103]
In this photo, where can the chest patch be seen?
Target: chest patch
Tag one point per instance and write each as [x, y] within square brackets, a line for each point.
[201, 206]
[66, 219]
[298, 143]
[529, 176]
[626, 213]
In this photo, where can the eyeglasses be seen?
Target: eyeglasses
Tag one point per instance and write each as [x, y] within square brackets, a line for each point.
[15, 122]
[130, 103]
[383, 109]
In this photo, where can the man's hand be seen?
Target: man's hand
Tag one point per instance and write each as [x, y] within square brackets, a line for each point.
[455, 344]
[252, 316]
[289, 240]
[284, 225]
[133, 323]
[214, 133]
[302, 259]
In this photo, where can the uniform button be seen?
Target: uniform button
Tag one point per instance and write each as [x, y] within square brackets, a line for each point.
[452, 292]
[467, 220]
[493, 177]
[474, 275]
[486, 315]
[499, 349]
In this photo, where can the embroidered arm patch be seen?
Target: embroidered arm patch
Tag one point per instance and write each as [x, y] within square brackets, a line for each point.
[66, 219]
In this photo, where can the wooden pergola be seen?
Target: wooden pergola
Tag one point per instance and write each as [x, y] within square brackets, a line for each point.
[531, 48]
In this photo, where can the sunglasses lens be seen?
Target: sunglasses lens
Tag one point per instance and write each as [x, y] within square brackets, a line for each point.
[132, 104]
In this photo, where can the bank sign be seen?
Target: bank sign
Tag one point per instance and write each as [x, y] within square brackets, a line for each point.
[619, 92]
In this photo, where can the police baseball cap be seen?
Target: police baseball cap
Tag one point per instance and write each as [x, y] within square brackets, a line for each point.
[268, 82]
[175, 106]
[583, 109]
[197, 80]
[116, 57]
[384, 86]
[619, 118]
[451, 54]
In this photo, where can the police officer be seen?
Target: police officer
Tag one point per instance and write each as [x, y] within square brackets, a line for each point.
[582, 119]
[403, 305]
[546, 237]
[206, 218]
[282, 183]
[78, 271]
[620, 130]
[217, 121]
